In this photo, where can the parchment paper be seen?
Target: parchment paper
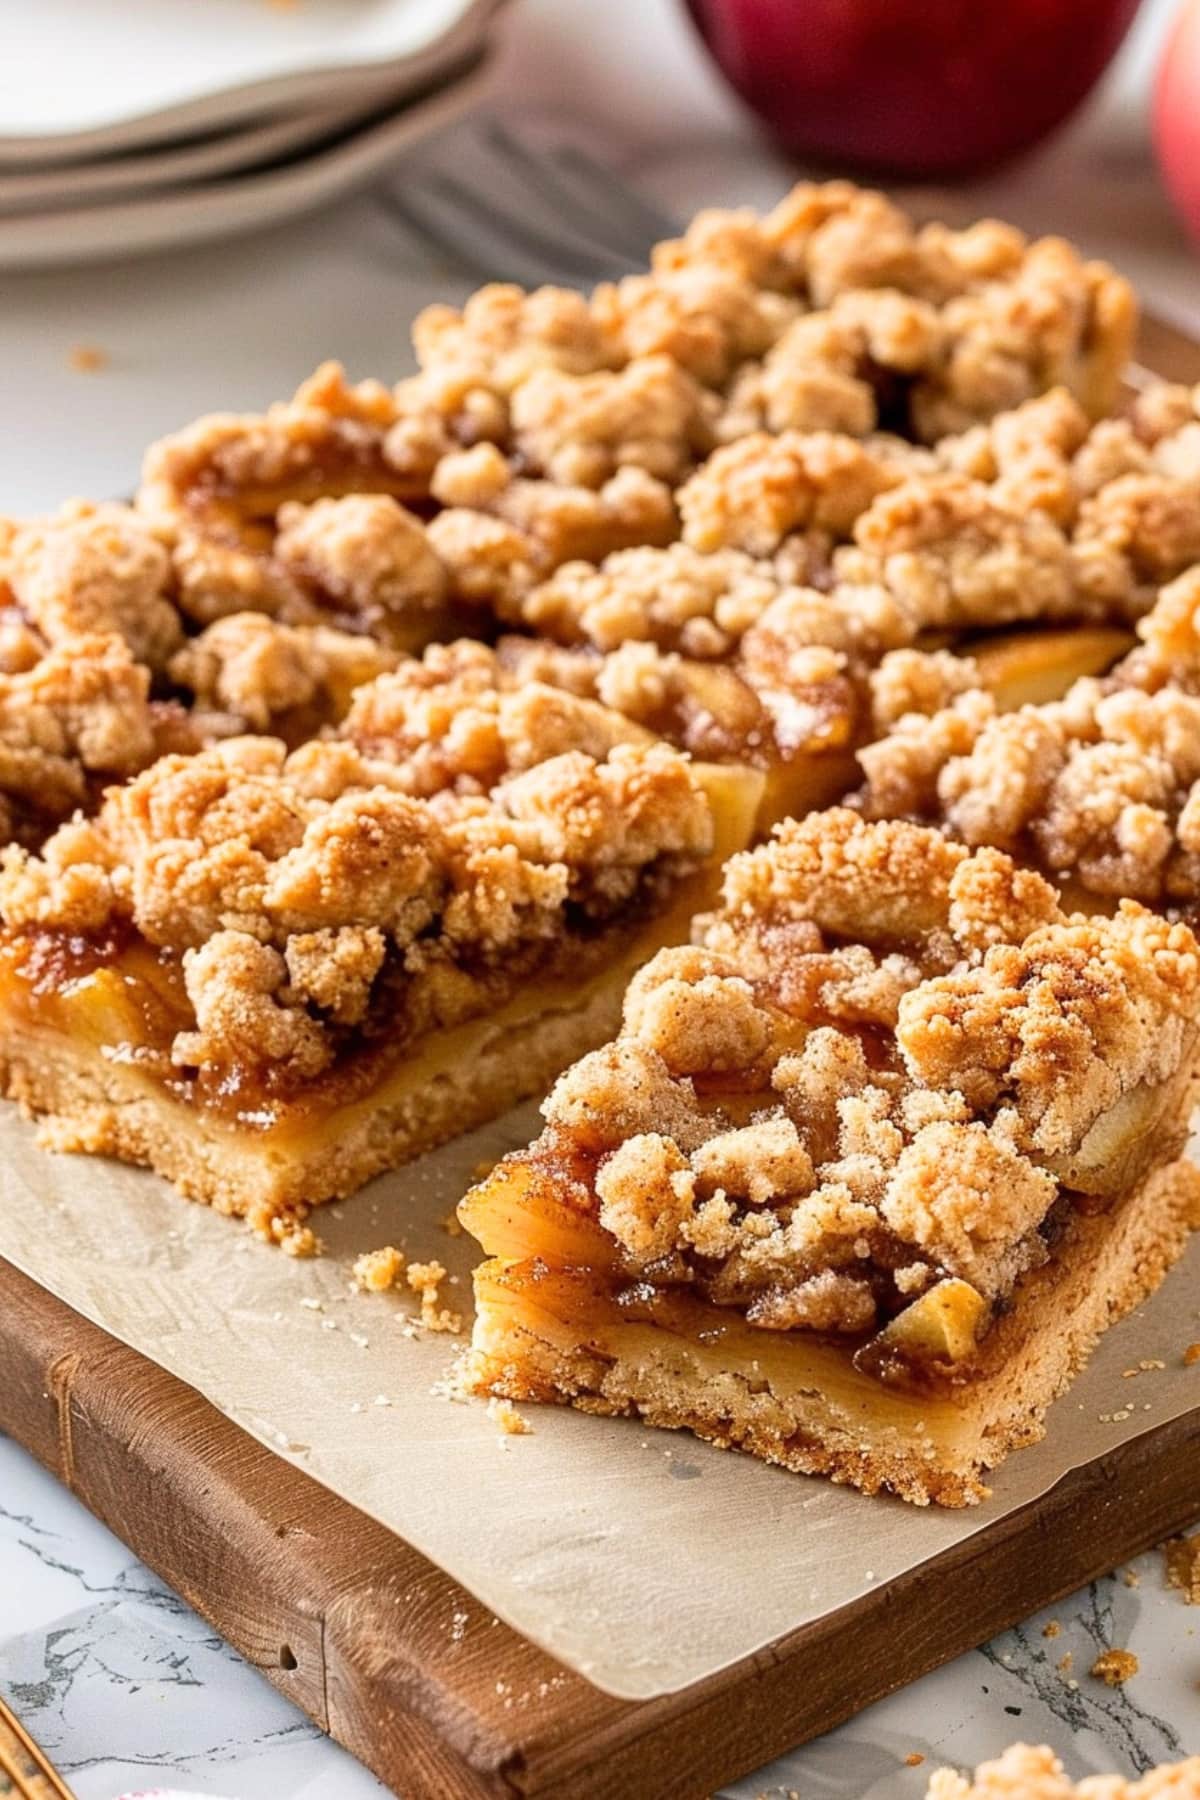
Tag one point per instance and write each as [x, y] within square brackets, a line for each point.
[644, 1560]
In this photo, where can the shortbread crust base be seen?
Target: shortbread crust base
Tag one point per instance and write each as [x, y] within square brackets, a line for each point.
[799, 1403]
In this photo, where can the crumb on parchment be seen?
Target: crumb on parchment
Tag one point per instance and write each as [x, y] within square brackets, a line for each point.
[1191, 1356]
[511, 1422]
[377, 1270]
[426, 1279]
[286, 1228]
[87, 359]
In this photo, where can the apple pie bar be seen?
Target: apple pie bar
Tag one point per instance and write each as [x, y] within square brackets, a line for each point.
[868, 1169]
[271, 974]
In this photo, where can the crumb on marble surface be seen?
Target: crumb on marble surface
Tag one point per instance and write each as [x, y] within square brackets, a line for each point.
[1181, 1556]
[1115, 1667]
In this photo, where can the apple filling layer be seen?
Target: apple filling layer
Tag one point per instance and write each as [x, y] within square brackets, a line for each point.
[271, 975]
[868, 1169]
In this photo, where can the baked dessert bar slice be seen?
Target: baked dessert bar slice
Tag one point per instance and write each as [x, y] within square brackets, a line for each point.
[869, 1168]
[271, 975]
[1025, 1772]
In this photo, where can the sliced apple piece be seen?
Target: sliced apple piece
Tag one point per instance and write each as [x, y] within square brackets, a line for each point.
[1028, 668]
[806, 783]
[1121, 1144]
[942, 1326]
[517, 1213]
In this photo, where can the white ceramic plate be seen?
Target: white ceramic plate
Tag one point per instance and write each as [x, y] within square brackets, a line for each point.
[207, 159]
[144, 71]
[224, 208]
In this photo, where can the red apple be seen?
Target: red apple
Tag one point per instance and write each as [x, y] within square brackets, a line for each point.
[918, 87]
[1177, 114]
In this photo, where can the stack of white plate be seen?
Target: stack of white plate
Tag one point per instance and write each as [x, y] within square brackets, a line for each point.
[130, 125]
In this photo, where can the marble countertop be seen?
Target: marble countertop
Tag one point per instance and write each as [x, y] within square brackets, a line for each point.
[126, 1688]
[121, 1681]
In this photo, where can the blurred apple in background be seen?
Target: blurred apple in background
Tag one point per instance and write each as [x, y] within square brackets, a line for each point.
[1177, 114]
[913, 87]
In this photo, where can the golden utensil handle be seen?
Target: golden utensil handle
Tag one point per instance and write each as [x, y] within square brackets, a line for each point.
[26, 1773]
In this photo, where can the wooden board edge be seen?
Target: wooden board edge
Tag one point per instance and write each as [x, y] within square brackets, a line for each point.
[418, 1681]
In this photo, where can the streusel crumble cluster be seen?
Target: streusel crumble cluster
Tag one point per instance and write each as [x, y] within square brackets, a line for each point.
[368, 703]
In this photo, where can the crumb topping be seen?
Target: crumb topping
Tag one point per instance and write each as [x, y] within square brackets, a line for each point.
[1100, 787]
[996, 319]
[76, 711]
[303, 893]
[769, 369]
[92, 571]
[674, 598]
[754, 493]
[260, 670]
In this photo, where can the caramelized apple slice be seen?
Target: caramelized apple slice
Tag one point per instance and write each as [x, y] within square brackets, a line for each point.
[806, 783]
[517, 1213]
[941, 1328]
[942, 1325]
[1027, 668]
[1121, 1144]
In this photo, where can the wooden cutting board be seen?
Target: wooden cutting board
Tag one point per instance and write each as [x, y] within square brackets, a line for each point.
[418, 1680]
